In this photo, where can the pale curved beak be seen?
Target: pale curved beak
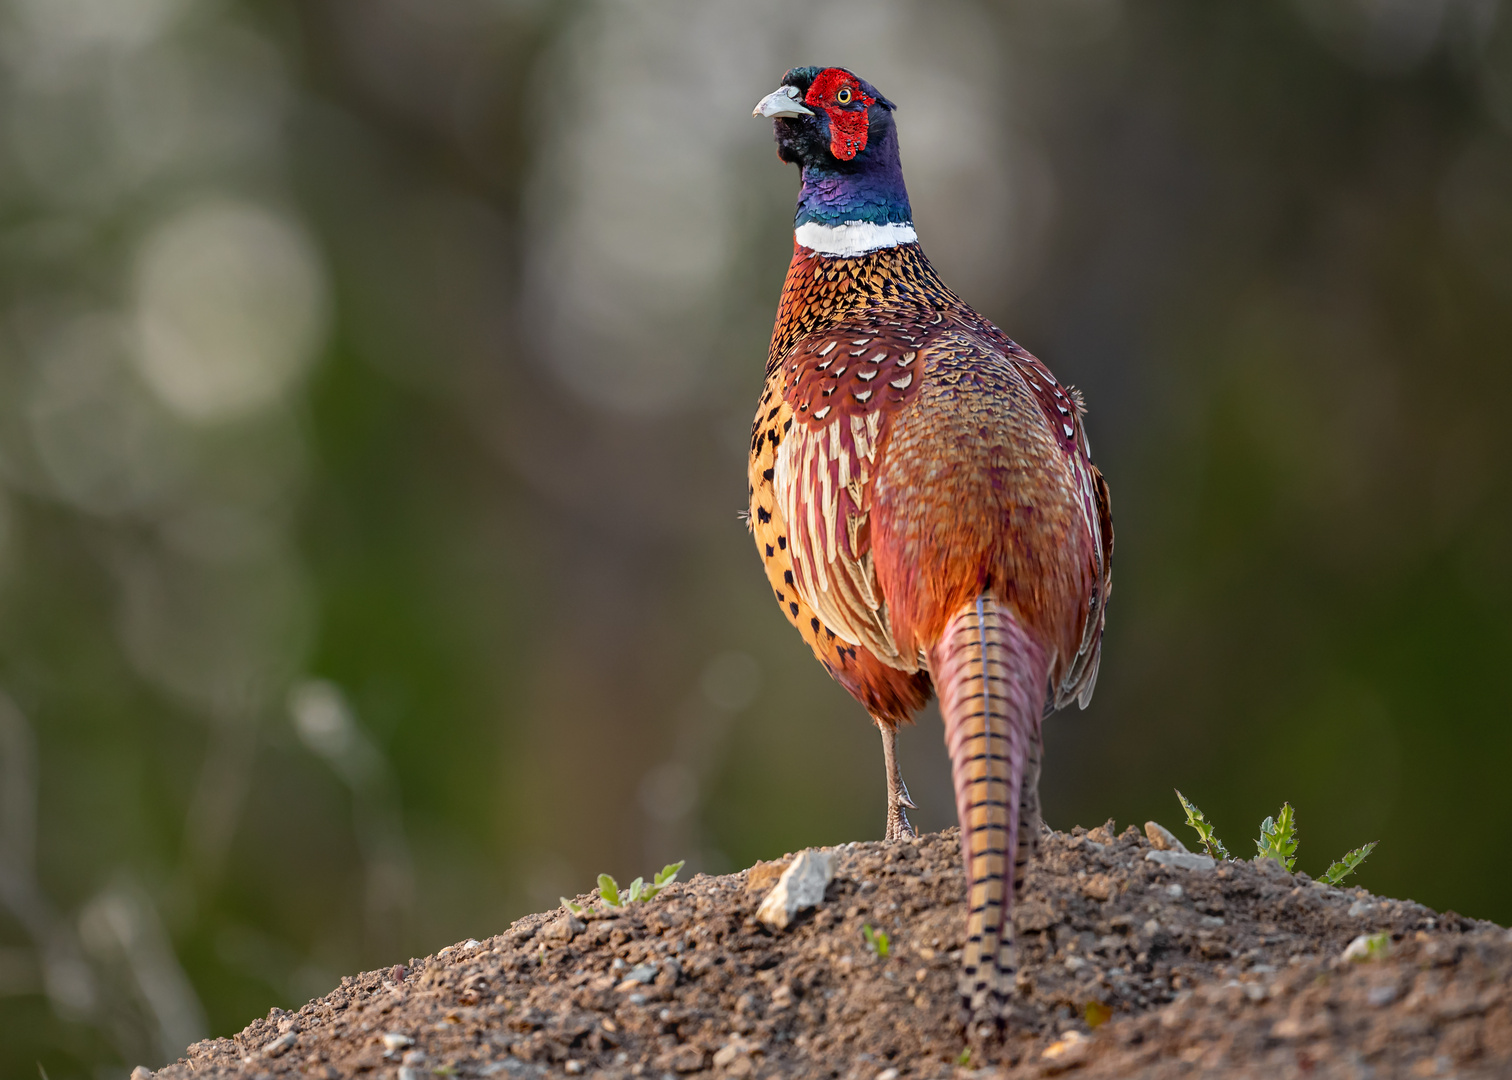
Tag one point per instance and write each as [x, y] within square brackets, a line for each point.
[781, 102]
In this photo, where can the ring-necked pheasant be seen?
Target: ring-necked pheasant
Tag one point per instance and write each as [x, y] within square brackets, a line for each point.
[923, 498]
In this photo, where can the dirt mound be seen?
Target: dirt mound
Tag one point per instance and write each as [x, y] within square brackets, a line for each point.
[1130, 968]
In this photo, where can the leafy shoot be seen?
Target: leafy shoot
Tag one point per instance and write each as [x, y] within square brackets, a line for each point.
[1340, 870]
[639, 889]
[876, 940]
[1278, 838]
[1210, 842]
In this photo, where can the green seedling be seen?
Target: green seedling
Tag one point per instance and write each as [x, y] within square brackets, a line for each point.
[1369, 947]
[638, 890]
[1210, 842]
[876, 940]
[1340, 870]
[1278, 840]
[964, 1058]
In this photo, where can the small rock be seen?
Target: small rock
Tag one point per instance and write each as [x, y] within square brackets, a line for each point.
[280, 1044]
[574, 1067]
[689, 1059]
[394, 1041]
[141, 1072]
[764, 875]
[1181, 860]
[1358, 908]
[642, 973]
[408, 1072]
[1162, 839]
[1067, 1052]
[413, 1057]
[1098, 887]
[888, 1074]
[801, 886]
[1368, 947]
[1381, 995]
[1174, 891]
[565, 928]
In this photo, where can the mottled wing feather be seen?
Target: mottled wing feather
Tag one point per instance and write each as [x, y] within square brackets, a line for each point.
[1063, 408]
[843, 387]
[888, 693]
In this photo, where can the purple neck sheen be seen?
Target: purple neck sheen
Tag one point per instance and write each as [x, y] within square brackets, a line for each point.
[870, 188]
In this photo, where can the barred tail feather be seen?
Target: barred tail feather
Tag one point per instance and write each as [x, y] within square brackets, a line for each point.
[990, 675]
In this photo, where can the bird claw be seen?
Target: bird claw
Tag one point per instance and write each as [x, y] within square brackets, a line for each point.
[898, 825]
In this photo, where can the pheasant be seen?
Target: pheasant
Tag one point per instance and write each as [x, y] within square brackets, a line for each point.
[923, 497]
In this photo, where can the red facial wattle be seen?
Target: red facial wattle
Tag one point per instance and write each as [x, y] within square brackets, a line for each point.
[848, 118]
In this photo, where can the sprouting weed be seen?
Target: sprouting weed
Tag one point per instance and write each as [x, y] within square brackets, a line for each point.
[1340, 870]
[1097, 1014]
[876, 940]
[639, 889]
[1278, 840]
[1210, 842]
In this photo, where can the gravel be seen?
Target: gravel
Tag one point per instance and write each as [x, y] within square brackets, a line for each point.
[1131, 966]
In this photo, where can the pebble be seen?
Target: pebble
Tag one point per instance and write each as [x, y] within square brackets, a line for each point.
[279, 1045]
[141, 1072]
[565, 928]
[394, 1041]
[1181, 860]
[801, 886]
[1066, 1052]
[1367, 947]
[1163, 839]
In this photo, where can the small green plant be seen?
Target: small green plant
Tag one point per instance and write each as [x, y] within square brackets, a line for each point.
[1369, 947]
[1097, 1014]
[876, 940]
[1210, 842]
[609, 890]
[1278, 840]
[1340, 870]
[963, 1059]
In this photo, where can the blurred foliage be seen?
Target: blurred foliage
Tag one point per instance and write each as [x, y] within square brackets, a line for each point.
[374, 383]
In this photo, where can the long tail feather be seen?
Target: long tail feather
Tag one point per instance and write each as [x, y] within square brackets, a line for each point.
[990, 676]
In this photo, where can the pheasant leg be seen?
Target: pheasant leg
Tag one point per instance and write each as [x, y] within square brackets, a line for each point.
[898, 826]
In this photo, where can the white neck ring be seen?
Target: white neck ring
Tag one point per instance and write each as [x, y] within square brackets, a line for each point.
[853, 237]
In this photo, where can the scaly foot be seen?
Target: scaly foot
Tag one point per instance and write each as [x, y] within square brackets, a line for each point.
[898, 825]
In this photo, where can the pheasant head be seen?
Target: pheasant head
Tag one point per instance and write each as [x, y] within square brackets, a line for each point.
[838, 129]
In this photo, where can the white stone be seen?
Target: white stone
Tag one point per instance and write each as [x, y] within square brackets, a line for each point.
[801, 886]
[1163, 838]
[1181, 860]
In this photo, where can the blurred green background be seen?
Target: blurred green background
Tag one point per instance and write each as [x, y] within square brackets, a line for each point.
[375, 377]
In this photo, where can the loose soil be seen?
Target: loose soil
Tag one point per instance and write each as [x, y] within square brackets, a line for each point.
[1129, 969]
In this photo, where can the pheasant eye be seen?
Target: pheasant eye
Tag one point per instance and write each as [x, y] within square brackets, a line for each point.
[844, 96]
